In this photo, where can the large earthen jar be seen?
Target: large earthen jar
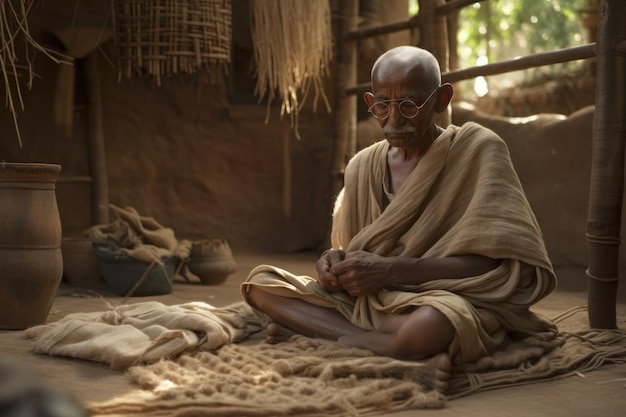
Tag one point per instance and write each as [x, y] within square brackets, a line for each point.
[31, 264]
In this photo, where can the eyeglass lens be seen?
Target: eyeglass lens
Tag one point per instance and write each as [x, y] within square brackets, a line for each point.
[407, 109]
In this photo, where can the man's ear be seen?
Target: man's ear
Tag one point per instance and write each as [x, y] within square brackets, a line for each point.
[369, 99]
[443, 97]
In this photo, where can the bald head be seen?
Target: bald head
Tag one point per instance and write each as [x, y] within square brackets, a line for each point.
[409, 61]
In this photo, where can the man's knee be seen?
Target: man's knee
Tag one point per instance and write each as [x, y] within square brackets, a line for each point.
[425, 332]
[256, 298]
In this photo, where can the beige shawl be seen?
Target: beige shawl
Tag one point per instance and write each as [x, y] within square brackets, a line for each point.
[464, 197]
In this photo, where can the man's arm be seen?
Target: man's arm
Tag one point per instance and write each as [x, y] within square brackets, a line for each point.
[363, 272]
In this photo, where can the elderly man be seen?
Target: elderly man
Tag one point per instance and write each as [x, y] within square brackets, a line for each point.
[435, 247]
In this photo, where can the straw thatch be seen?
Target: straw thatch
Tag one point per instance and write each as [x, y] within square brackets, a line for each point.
[14, 32]
[292, 48]
[165, 37]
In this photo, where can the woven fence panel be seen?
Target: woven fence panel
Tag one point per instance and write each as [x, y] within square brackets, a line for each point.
[166, 37]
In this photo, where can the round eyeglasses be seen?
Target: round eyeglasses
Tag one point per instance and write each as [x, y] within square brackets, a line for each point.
[408, 108]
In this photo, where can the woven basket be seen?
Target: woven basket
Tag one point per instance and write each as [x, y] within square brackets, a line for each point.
[165, 37]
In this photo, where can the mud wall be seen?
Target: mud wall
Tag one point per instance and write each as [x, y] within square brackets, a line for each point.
[185, 153]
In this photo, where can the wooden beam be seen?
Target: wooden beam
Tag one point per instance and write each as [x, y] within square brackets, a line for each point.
[530, 61]
[95, 140]
[434, 38]
[606, 189]
[454, 5]
[355, 35]
[536, 60]
[344, 114]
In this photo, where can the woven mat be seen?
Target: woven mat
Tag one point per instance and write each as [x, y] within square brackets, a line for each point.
[303, 377]
[313, 377]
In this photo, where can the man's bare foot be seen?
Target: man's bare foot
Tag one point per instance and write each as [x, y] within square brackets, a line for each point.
[433, 373]
[436, 373]
[277, 333]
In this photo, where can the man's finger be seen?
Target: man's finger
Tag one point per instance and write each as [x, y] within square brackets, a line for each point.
[335, 256]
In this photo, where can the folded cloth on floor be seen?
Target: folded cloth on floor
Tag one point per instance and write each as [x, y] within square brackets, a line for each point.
[144, 332]
[191, 348]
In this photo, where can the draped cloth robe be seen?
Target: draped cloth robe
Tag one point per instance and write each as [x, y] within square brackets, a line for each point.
[463, 198]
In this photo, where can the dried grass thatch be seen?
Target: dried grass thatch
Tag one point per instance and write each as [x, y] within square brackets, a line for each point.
[165, 37]
[293, 48]
[13, 31]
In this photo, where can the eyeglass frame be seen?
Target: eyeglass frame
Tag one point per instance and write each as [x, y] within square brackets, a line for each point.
[419, 108]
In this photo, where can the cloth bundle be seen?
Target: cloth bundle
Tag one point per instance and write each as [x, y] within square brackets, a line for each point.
[143, 333]
[142, 238]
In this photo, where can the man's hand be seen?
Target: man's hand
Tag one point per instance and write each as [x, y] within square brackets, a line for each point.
[327, 260]
[361, 272]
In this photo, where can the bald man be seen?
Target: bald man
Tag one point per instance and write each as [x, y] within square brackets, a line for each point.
[435, 249]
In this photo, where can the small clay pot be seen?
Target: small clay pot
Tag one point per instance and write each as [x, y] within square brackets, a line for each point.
[212, 261]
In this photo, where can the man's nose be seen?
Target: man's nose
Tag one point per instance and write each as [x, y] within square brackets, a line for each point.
[395, 117]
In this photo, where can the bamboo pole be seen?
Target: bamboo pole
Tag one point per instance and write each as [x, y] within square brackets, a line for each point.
[434, 38]
[452, 6]
[529, 61]
[607, 167]
[382, 29]
[452, 20]
[95, 140]
[344, 120]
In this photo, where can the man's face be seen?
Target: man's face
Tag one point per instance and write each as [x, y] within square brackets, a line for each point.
[391, 88]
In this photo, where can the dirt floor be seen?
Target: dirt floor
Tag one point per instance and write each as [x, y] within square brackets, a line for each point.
[598, 393]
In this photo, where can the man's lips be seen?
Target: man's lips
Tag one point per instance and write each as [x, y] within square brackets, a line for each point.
[398, 135]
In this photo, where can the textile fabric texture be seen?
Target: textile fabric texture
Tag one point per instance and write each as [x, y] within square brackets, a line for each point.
[302, 377]
[463, 198]
[197, 359]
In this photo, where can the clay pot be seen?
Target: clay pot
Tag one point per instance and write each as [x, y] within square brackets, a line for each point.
[81, 267]
[212, 261]
[30, 243]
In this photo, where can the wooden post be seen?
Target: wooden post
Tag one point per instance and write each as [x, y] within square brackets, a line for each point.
[344, 120]
[95, 141]
[607, 167]
[434, 38]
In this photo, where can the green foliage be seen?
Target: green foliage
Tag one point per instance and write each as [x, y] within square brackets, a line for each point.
[501, 29]
[496, 30]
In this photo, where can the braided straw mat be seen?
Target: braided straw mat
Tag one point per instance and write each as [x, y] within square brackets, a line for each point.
[313, 377]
